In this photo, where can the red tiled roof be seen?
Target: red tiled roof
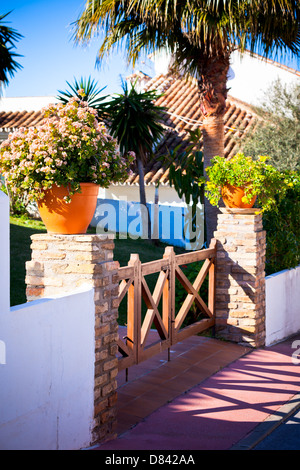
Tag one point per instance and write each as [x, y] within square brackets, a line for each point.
[14, 120]
[180, 97]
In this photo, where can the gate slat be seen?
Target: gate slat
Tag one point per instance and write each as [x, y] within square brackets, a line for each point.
[123, 288]
[188, 258]
[191, 290]
[153, 315]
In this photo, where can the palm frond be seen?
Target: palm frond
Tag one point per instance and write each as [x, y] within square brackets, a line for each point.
[85, 90]
[202, 27]
[8, 38]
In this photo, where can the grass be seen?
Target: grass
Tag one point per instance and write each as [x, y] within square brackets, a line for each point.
[21, 230]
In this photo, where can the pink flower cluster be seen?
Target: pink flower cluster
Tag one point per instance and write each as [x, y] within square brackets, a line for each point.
[70, 146]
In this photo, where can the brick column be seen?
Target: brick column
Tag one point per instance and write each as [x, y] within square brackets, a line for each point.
[62, 263]
[240, 277]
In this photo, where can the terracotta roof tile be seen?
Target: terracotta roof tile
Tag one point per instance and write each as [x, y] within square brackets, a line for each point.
[13, 120]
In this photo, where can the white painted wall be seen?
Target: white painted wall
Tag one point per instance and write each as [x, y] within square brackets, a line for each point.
[161, 61]
[282, 305]
[47, 382]
[250, 77]
[4, 253]
[167, 194]
[26, 103]
[46, 366]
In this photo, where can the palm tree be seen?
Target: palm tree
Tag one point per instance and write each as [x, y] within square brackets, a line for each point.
[134, 120]
[85, 90]
[201, 34]
[8, 64]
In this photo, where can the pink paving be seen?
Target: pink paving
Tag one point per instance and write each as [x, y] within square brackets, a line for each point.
[223, 408]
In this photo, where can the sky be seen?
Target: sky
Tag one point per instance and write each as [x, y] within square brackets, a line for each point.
[50, 58]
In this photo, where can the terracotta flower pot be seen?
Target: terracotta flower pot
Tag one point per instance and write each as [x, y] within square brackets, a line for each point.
[68, 218]
[232, 197]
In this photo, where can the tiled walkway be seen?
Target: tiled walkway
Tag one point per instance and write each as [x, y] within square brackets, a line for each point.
[156, 381]
[231, 408]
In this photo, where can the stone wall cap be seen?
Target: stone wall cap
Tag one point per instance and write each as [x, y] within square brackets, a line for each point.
[81, 237]
[251, 211]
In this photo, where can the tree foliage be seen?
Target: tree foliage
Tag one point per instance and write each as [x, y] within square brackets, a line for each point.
[135, 120]
[283, 233]
[186, 170]
[8, 38]
[192, 30]
[278, 136]
[278, 133]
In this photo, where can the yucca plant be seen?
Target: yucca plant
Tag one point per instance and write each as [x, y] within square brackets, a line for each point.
[135, 121]
[85, 90]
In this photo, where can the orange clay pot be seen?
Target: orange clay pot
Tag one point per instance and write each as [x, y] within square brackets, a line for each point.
[232, 197]
[68, 218]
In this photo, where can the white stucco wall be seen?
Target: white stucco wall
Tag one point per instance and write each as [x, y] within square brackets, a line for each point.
[250, 77]
[47, 381]
[26, 103]
[166, 193]
[4, 253]
[47, 354]
[282, 305]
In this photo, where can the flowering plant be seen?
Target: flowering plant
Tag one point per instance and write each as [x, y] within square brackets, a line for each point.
[69, 147]
[256, 177]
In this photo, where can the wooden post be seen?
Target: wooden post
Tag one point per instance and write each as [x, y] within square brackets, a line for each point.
[212, 280]
[170, 292]
[134, 308]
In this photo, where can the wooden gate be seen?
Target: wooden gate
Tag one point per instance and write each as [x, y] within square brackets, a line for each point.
[161, 312]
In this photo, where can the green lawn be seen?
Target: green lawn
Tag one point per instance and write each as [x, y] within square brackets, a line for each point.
[20, 231]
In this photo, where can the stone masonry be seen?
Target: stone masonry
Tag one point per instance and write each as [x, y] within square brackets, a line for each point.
[240, 277]
[62, 263]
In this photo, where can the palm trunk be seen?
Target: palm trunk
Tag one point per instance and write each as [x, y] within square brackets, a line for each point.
[213, 144]
[213, 94]
[146, 222]
[155, 233]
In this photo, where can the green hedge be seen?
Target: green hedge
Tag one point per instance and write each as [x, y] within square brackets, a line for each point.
[283, 234]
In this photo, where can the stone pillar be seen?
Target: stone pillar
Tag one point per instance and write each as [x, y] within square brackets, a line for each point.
[240, 277]
[59, 265]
